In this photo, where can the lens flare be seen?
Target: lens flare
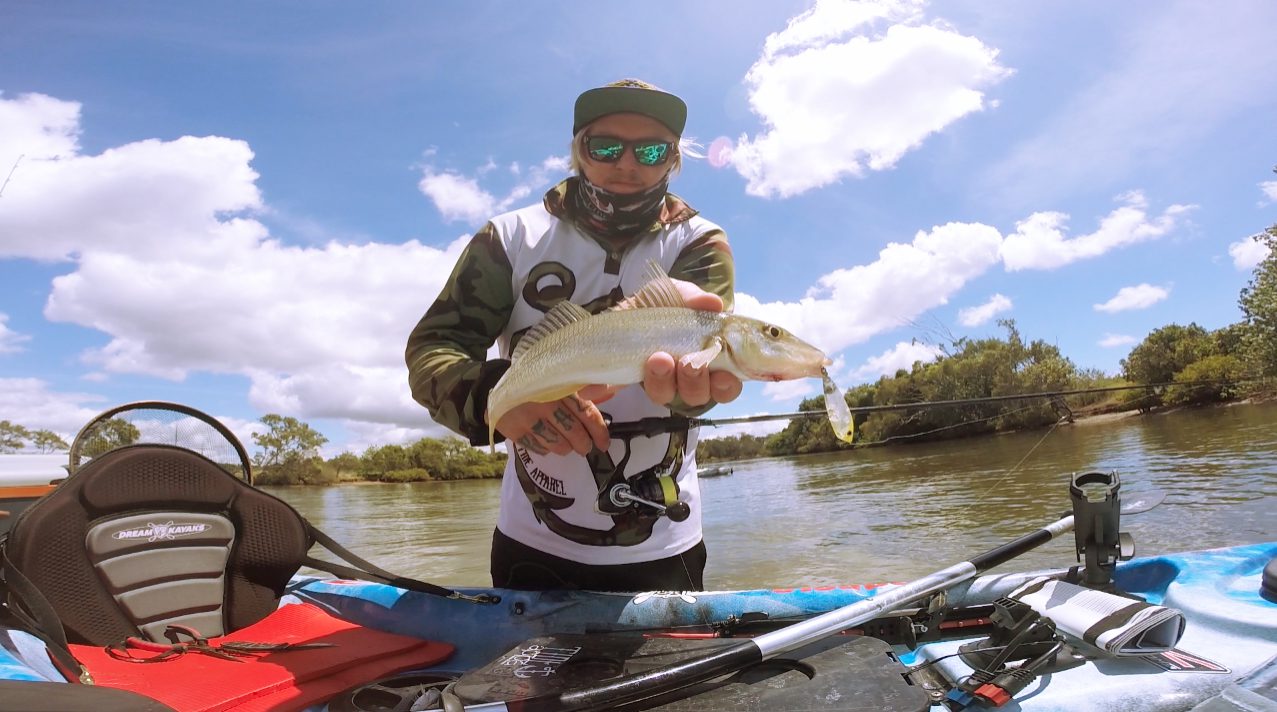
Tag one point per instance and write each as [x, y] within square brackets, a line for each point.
[720, 152]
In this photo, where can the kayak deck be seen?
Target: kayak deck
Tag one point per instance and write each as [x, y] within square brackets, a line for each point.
[1231, 629]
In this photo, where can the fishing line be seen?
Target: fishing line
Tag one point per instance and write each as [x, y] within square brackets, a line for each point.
[954, 426]
[653, 425]
[933, 661]
[1027, 455]
[11, 170]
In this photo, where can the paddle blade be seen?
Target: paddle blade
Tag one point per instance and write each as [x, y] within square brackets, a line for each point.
[1142, 501]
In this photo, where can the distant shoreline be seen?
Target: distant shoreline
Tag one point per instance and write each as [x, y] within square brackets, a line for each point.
[1111, 416]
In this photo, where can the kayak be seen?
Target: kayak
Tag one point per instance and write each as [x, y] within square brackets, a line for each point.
[1229, 636]
[24, 478]
[155, 552]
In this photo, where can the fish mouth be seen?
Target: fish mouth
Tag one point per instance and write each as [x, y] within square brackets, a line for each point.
[797, 368]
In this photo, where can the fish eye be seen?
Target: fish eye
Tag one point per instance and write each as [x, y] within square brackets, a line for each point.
[774, 331]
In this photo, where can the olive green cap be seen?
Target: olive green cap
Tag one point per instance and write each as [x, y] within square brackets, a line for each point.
[630, 96]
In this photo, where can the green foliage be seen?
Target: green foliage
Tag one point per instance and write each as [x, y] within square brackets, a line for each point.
[289, 453]
[971, 369]
[109, 435]
[449, 459]
[415, 474]
[286, 439]
[736, 447]
[295, 470]
[13, 437]
[1165, 352]
[1258, 302]
[48, 441]
[1223, 370]
[343, 463]
[1230, 340]
[377, 461]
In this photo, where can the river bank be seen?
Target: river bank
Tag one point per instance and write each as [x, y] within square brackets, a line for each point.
[1097, 414]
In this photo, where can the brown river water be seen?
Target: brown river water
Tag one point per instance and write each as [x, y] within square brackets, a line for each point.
[880, 514]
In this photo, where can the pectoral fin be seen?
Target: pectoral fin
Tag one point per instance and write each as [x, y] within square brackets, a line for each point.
[701, 359]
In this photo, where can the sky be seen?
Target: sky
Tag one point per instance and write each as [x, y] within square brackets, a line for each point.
[245, 207]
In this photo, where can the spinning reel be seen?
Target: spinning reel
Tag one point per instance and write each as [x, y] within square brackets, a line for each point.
[652, 490]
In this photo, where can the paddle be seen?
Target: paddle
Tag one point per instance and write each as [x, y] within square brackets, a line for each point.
[755, 650]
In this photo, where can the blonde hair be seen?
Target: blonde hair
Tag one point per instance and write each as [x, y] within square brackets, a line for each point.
[687, 146]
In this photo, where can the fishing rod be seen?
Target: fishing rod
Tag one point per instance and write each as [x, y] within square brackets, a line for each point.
[11, 170]
[664, 424]
[733, 658]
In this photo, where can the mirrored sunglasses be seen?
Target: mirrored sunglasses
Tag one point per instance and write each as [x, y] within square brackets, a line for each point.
[609, 149]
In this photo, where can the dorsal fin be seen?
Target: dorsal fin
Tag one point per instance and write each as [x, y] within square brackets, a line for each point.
[658, 291]
[559, 316]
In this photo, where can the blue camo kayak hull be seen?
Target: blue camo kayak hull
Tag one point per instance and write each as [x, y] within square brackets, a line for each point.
[1231, 630]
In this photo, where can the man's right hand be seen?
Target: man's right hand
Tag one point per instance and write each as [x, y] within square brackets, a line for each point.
[571, 424]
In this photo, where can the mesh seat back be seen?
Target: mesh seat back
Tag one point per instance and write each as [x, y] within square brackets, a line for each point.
[147, 536]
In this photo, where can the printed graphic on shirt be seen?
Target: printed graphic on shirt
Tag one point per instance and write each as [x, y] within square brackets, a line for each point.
[549, 283]
[631, 525]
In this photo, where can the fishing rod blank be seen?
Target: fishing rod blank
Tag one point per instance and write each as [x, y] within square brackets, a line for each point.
[657, 425]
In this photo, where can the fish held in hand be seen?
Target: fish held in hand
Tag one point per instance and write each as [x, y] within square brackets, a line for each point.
[570, 348]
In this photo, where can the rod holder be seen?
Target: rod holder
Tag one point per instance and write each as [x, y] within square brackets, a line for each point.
[1100, 544]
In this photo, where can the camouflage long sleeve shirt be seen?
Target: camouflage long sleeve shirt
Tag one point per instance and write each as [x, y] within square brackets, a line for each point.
[449, 371]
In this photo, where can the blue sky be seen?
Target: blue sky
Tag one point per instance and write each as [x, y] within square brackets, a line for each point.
[245, 207]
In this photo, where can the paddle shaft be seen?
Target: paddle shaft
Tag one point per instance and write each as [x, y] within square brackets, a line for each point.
[736, 657]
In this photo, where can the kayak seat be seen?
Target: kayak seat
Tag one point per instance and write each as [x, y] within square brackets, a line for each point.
[149, 536]
[151, 533]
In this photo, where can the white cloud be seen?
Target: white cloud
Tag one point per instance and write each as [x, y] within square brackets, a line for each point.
[460, 198]
[149, 197]
[363, 435]
[1247, 253]
[847, 306]
[36, 127]
[179, 279]
[901, 356]
[1269, 189]
[760, 429]
[1111, 341]
[283, 316]
[30, 403]
[975, 316]
[1183, 71]
[195, 283]
[1039, 242]
[814, 80]
[457, 197]
[382, 402]
[782, 391]
[1141, 296]
[10, 340]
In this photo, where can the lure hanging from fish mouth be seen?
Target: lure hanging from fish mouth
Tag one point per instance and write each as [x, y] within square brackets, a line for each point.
[570, 348]
[836, 409]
